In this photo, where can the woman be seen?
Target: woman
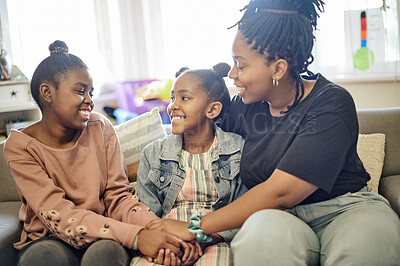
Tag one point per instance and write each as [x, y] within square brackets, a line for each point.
[307, 203]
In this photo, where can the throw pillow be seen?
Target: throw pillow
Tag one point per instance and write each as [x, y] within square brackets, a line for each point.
[371, 150]
[135, 134]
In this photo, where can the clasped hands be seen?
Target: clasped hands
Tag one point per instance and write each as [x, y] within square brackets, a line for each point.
[168, 242]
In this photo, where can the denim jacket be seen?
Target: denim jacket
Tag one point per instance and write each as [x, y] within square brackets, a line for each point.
[160, 175]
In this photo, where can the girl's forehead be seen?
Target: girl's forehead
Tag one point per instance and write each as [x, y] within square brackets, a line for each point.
[82, 74]
[186, 81]
[79, 77]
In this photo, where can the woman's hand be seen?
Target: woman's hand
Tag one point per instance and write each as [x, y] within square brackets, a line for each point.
[216, 238]
[195, 253]
[174, 227]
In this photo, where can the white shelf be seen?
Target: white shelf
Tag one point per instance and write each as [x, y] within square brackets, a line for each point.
[21, 107]
[16, 101]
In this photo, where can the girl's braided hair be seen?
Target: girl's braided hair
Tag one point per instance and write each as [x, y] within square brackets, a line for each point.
[283, 29]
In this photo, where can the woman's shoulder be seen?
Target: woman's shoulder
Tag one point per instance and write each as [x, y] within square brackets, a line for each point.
[327, 95]
[327, 88]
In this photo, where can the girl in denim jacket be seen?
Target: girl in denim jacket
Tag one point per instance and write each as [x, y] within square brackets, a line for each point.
[197, 167]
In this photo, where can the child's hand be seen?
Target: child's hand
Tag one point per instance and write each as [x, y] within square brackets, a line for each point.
[151, 241]
[169, 258]
[174, 227]
[166, 257]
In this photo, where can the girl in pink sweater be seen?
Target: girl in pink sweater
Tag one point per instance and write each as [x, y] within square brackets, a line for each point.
[77, 207]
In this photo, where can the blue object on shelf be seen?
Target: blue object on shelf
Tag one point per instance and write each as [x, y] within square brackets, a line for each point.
[122, 116]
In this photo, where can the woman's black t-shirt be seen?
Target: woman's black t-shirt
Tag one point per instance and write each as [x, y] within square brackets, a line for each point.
[315, 141]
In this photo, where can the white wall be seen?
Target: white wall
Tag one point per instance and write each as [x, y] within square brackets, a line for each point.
[379, 94]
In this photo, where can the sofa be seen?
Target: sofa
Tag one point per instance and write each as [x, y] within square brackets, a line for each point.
[386, 121]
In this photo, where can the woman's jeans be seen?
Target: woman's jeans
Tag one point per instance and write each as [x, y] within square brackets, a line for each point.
[353, 229]
[53, 251]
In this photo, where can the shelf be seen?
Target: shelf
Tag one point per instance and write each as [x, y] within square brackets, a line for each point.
[14, 82]
[16, 102]
[20, 107]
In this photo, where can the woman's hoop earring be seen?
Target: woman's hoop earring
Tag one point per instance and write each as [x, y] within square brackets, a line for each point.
[275, 82]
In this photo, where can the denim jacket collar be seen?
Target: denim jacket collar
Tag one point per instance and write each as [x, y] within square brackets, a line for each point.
[173, 146]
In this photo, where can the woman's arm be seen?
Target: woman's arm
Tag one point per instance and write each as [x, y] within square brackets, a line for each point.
[282, 190]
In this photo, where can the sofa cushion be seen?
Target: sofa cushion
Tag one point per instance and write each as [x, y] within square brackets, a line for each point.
[8, 190]
[135, 134]
[371, 150]
[10, 231]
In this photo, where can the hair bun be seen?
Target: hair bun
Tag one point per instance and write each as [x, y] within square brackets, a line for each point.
[180, 71]
[58, 47]
[221, 69]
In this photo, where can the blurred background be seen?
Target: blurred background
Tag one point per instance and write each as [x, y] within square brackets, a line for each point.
[134, 47]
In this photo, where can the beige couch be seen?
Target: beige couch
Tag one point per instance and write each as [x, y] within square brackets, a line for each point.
[385, 121]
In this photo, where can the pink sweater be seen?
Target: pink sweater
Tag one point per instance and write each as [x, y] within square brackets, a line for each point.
[79, 194]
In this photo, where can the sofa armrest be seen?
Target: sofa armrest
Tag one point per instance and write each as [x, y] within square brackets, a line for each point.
[8, 189]
[389, 187]
[10, 231]
[386, 121]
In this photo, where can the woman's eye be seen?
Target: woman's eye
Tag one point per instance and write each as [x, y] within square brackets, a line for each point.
[238, 66]
[80, 92]
[185, 98]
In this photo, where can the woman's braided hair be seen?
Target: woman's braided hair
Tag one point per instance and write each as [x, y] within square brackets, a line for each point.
[283, 29]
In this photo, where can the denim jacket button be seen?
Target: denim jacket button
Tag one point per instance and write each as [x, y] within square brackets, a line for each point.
[217, 179]
[162, 179]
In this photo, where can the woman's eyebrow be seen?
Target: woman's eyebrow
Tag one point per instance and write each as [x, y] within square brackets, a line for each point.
[236, 57]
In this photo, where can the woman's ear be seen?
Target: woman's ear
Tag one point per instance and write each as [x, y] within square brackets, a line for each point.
[46, 92]
[280, 68]
[214, 109]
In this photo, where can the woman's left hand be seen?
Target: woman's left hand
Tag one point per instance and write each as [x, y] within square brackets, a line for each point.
[175, 227]
[194, 255]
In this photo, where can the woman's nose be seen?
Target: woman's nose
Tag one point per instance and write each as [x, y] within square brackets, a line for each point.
[232, 73]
